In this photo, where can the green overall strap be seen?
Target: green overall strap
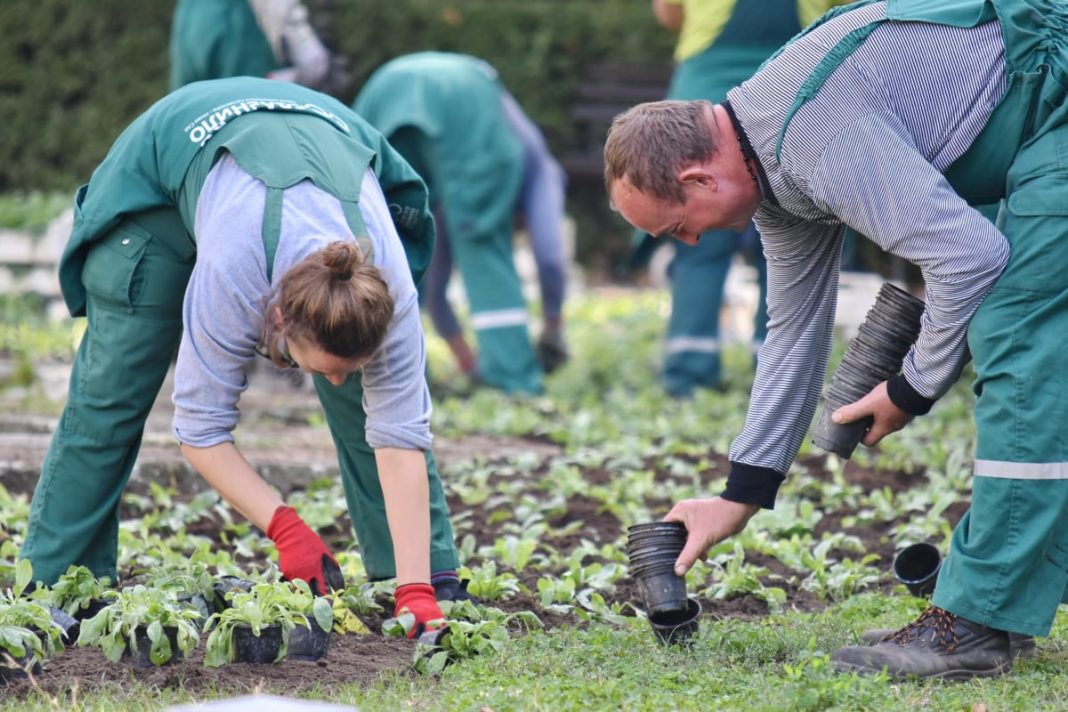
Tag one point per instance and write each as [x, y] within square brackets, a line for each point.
[359, 229]
[958, 13]
[820, 73]
[272, 226]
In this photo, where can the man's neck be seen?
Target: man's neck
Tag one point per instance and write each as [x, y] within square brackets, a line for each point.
[740, 169]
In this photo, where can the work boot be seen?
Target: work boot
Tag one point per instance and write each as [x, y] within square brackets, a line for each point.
[551, 351]
[1022, 646]
[938, 644]
[451, 589]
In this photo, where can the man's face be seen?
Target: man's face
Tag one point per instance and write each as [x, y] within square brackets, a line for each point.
[684, 221]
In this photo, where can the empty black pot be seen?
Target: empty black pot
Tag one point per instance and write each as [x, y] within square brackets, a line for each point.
[677, 627]
[250, 648]
[917, 567]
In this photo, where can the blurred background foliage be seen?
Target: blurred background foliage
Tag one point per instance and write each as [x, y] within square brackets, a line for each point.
[72, 75]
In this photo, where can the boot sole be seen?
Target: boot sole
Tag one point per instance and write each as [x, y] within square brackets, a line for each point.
[944, 675]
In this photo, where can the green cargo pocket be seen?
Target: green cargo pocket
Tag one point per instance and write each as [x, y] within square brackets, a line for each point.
[108, 274]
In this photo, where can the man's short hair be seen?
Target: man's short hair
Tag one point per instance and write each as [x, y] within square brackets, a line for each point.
[651, 143]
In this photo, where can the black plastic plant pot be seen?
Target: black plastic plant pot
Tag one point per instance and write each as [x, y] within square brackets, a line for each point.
[95, 606]
[841, 439]
[655, 546]
[202, 604]
[917, 567]
[69, 624]
[677, 627]
[225, 585]
[308, 642]
[669, 536]
[142, 656]
[249, 648]
[17, 667]
[662, 590]
[657, 527]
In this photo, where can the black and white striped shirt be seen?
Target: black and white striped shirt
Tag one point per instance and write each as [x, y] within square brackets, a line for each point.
[867, 151]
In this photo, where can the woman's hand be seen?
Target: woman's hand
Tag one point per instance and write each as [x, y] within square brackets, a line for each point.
[708, 522]
[888, 418]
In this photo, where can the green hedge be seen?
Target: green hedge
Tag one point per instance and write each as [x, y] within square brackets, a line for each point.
[73, 74]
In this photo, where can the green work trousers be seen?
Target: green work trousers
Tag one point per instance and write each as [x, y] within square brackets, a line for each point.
[1008, 562]
[698, 278]
[136, 278]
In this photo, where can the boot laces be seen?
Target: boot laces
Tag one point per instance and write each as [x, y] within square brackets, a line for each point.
[934, 618]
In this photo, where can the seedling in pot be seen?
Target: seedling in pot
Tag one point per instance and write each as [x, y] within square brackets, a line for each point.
[280, 606]
[76, 595]
[141, 616]
[27, 632]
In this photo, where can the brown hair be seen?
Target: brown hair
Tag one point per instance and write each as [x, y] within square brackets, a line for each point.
[334, 299]
[650, 143]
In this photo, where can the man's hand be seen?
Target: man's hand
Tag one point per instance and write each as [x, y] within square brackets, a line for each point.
[418, 599]
[888, 417]
[708, 521]
[302, 554]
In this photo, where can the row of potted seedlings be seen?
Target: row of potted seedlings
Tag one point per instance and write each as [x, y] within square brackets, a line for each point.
[162, 621]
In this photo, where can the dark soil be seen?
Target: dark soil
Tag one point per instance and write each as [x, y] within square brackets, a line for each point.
[350, 659]
[363, 659]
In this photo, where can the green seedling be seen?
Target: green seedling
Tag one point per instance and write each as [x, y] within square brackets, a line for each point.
[114, 628]
[265, 604]
[26, 626]
[75, 590]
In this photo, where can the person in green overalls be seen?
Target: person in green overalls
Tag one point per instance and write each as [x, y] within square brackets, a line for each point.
[445, 114]
[721, 43]
[895, 118]
[233, 218]
[216, 39]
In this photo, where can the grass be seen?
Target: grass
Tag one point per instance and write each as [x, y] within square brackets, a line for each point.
[610, 405]
[778, 663]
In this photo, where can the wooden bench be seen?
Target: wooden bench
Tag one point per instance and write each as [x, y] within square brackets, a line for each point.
[606, 90]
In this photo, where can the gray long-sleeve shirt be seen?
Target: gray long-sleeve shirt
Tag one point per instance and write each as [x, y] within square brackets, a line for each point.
[228, 293]
[867, 151]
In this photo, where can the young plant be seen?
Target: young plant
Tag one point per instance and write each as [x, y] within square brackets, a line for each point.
[76, 590]
[139, 609]
[26, 627]
[734, 577]
[472, 630]
[344, 607]
[265, 604]
[485, 583]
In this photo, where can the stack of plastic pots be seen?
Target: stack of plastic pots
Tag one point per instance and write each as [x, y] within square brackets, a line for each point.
[652, 549]
[874, 355]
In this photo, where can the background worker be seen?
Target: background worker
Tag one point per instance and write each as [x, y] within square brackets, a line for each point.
[483, 161]
[216, 39]
[236, 217]
[891, 118]
[721, 43]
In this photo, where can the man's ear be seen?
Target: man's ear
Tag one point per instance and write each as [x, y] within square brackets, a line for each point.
[698, 174]
[276, 317]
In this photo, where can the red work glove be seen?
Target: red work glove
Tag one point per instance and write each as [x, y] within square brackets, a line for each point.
[302, 554]
[418, 599]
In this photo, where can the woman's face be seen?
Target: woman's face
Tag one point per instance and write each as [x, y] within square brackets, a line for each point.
[314, 360]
